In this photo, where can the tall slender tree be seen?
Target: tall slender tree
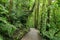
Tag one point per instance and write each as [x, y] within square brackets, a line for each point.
[37, 2]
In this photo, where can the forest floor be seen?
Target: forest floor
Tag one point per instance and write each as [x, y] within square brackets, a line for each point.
[33, 34]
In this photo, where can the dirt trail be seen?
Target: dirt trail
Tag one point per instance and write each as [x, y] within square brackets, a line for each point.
[32, 35]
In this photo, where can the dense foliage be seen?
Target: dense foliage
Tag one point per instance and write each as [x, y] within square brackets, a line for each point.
[17, 16]
[50, 21]
[13, 19]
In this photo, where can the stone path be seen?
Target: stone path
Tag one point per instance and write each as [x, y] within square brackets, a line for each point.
[32, 35]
